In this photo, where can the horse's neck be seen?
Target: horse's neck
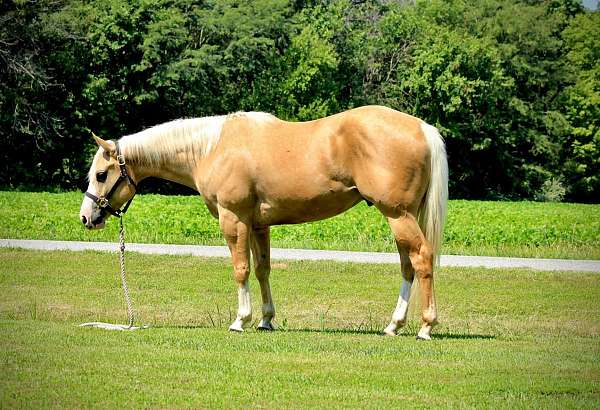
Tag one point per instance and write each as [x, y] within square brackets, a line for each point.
[173, 150]
[178, 168]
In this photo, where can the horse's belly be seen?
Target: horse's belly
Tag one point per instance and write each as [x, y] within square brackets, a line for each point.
[298, 210]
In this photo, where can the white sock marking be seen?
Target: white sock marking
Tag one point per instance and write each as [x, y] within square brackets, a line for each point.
[399, 315]
[244, 314]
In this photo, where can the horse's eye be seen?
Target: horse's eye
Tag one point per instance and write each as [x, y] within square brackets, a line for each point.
[101, 176]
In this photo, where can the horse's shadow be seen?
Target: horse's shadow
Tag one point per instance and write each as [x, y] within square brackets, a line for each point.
[462, 336]
[333, 331]
[436, 336]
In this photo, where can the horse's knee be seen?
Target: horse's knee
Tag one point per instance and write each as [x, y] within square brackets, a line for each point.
[241, 272]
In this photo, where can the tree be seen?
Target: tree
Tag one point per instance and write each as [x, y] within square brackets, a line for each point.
[513, 84]
[38, 73]
[581, 101]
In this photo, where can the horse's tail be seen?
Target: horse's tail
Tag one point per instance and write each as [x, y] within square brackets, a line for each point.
[432, 213]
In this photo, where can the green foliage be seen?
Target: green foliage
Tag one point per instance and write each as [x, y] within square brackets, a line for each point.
[153, 60]
[527, 229]
[39, 74]
[314, 61]
[513, 85]
[310, 84]
[582, 105]
[457, 82]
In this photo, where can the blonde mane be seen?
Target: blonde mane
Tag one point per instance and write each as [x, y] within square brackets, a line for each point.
[157, 145]
[193, 137]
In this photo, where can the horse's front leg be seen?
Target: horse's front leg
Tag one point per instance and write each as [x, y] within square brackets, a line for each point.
[237, 235]
[262, 268]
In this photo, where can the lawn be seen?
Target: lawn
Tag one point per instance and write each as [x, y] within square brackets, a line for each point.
[507, 338]
[526, 229]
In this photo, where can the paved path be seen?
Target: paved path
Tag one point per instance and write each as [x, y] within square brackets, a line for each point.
[306, 254]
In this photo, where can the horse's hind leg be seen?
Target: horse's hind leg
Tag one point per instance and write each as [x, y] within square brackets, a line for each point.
[237, 235]
[262, 268]
[410, 239]
[399, 315]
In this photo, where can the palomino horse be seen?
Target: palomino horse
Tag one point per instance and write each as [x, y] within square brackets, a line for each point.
[254, 170]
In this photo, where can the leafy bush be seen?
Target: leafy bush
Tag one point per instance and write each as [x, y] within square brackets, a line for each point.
[552, 190]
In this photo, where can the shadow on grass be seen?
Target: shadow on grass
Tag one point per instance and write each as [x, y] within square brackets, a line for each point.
[182, 327]
[333, 331]
[436, 336]
[280, 330]
[462, 336]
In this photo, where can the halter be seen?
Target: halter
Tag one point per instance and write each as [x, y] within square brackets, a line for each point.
[103, 201]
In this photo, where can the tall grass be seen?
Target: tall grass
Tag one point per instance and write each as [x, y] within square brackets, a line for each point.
[527, 229]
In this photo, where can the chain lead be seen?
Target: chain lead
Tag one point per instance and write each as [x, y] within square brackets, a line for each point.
[123, 280]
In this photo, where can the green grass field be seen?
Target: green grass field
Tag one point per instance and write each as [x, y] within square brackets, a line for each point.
[526, 229]
[507, 338]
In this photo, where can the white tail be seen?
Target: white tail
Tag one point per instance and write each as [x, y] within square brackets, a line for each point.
[432, 214]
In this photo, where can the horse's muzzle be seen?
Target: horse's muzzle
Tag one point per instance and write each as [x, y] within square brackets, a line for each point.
[96, 223]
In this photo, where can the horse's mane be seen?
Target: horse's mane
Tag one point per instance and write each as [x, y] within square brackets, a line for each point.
[194, 137]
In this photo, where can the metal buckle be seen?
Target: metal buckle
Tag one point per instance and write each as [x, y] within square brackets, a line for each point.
[102, 202]
[121, 159]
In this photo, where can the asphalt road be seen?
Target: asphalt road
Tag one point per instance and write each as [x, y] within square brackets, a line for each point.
[306, 254]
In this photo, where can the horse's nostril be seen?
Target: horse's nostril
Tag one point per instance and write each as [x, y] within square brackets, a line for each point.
[83, 220]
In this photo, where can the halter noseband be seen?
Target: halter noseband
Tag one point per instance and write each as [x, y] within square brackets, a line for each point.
[103, 201]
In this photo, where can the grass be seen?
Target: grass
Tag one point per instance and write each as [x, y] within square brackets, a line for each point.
[507, 338]
[525, 229]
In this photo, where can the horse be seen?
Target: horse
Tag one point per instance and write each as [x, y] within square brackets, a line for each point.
[254, 170]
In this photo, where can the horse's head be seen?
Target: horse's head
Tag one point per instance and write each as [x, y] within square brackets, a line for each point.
[110, 185]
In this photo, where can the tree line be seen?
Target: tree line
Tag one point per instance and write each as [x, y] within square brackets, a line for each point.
[513, 85]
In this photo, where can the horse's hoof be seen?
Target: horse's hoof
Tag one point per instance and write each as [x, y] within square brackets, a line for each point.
[390, 330]
[236, 327]
[265, 326]
[423, 337]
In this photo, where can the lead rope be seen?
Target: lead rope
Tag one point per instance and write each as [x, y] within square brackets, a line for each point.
[130, 314]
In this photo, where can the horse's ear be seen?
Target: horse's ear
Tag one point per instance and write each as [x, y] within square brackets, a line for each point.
[108, 146]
